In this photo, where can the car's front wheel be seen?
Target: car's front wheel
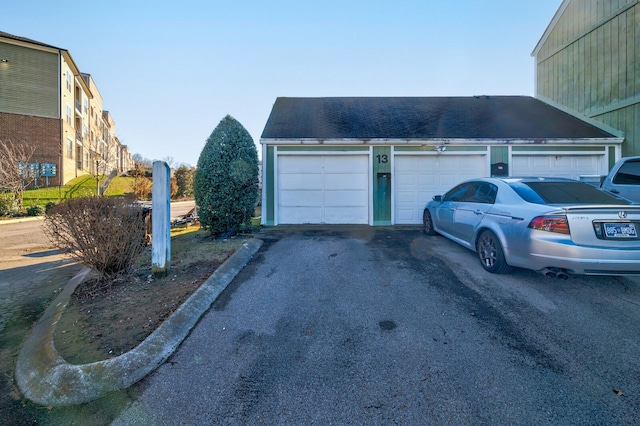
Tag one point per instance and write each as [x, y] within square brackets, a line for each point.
[427, 223]
[491, 254]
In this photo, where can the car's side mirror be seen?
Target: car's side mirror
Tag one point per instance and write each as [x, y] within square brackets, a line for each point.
[437, 198]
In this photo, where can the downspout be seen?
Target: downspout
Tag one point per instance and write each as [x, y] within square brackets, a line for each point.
[263, 178]
[61, 167]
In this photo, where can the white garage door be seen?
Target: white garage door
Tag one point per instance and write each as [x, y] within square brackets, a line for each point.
[323, 189]
[419, 178]
[566, 166]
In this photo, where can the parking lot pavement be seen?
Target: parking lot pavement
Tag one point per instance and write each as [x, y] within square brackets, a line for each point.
[31, 274]
[361, 325]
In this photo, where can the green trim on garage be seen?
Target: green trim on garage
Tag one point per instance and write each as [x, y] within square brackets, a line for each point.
[558, 148]
[612, 156]
[431, 148]
[499, 154]
[381, 185]
[270, 186]
[499, 158]
[323, 148]
[383, 178]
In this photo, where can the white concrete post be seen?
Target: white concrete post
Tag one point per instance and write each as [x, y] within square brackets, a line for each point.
[160, 222]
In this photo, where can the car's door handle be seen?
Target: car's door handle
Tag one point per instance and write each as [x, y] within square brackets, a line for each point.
[478, 212]
[615, 191]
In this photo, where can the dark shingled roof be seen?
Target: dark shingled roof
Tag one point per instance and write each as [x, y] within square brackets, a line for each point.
[475, 117]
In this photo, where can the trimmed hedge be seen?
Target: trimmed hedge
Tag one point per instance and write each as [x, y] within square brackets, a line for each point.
[226, 179]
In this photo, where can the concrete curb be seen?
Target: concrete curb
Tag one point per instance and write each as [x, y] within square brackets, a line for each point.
[47, 379]
[20, 220]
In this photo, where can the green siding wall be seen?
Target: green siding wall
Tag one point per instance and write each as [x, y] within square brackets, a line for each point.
[589, 63]
[29, 81]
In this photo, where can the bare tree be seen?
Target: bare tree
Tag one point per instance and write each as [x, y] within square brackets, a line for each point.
[170, 161]
[15, 170]
[142, 162]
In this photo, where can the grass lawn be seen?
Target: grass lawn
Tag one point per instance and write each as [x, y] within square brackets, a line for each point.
[82, 186]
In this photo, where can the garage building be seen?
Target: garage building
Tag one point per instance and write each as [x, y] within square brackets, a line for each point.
[378, 160]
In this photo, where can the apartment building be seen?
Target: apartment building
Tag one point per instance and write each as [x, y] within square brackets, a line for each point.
[47, 103]
[587, 63]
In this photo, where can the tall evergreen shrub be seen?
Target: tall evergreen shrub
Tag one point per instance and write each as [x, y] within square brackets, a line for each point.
[226, 179]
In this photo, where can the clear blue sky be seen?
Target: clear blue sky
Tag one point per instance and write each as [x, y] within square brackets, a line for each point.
[170, 71]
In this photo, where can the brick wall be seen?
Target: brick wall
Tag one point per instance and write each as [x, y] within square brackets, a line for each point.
[41, 133]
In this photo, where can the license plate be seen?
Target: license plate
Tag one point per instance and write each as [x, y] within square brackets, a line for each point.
[620, 230]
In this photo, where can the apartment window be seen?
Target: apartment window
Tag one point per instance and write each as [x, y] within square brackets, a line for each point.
[70, 148]
[69, 119]
[86, 160]
[86, 105]
[69, 85]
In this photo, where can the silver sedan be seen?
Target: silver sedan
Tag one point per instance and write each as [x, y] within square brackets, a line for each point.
[551, 225]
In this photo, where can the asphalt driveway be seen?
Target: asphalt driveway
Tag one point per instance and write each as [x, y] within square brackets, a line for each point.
[362, 325]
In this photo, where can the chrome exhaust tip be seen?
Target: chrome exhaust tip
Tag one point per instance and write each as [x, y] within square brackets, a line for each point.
[555, 273]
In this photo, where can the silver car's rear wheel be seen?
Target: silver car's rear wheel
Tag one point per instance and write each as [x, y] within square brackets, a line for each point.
[427, 223]
[491, 254]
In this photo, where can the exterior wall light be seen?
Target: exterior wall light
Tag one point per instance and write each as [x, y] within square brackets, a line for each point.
[4, 61]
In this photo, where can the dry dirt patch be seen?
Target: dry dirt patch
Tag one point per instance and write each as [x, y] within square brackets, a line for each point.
[108, 318]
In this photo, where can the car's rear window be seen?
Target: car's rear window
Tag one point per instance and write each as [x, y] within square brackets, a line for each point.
[550, 192]
[629, 174]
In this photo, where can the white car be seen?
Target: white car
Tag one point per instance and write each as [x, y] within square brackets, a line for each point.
[551, 225]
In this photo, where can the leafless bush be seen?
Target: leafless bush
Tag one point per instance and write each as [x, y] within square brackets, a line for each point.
[107, 234]
[141, 186]
[15, 174]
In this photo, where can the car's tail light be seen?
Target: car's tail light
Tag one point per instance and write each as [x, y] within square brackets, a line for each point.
[550, 224]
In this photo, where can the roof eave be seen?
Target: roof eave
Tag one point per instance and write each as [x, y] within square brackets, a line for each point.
[550, 27]
[614, 140]
[23, 41]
